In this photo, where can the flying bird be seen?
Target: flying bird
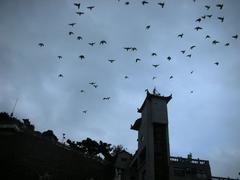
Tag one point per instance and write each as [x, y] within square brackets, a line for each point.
[209, 15]
[207, 36]
[106, 98]
[127, 3]
[127, 48]
[154, 54]
[191, 92]
[180, 35]
[79, 38]
[169, 58]
[235, 36]
[148, 26]
[191, 72]
[79, 13]
[215, 42]
[227, 44]
[221, 19]
[91, 44]
[170, 77]
[220, 6]
[81, 57]
[59, 57]
[161, 4]
[134, 49]
[95, 85]
[144, 2]
[138, 60]
[183, 51]
[82, 91]
[191, 48]
[154, 77]
[70, 33]
[207, 7]
[111, 60]
[155, 65]
[60, 75]
[85, 111]
[204, 17]
[72, 24]
[103, 42]
[217, 63]
[126, 77]
[198, 20]
[92, 83]
[90, 7]
[41, 44]
[77, 4]
[189, 55]
[198, 28]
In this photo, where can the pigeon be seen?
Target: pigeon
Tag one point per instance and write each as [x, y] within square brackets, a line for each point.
[126, 77]
[85, 111]
[95, 85]
[235, 36]
[70, 33]
[134, 49]
[41, 44]
[79, 13]
[209, 15]
[189, 55]
[148, 27]
[220, 6]
[82, 91]
[191, 92]
[79, 38]
[161, 4]
[59, 57]
[217, 63]
[154, 77]
[180, 35]
[138, 60]
[127, 3]
[72, 24]
[106, 98]
[207, 36]
[91, 44]
[111, 60]
[154, 54]
[81, 57]
[191, 48]
[169, 58]
[227, 44]
[90, 7]
[221, 19]
[103, 42]
[155, 65]
[207, 7]
[183, 51]
[60, 75]
[204, 17]
[127, 48]
[144, 2]
[170, 77]
[198, 28]
[191, 72]
[198, 20]
[214, 42]
[92, 83]
[77, 4]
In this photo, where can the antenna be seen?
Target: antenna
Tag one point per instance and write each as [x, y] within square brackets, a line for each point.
[14, 108]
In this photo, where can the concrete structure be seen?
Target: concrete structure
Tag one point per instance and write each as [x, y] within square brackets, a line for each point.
[152, 160]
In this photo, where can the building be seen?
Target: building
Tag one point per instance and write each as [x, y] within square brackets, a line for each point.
[152, 160]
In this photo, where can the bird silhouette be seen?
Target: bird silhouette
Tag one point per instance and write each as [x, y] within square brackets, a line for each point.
[138, 60]
[148, 27]
[189, 55]
[144, 2]
[235, 36]
[92, 83]
[81, 57]
[103, 42]
[127, 3]
[170, 77]
[191, 72]
[209, 15]
[198, 28]
[204, 17]
[161, 4]
[183, 51]
[220, 6]
[169, 58]
[207, 36]
[111, 60]
[79, 13]
[70, 33]
[79, 38]
[127, 48]
[77, 4]
[82, 91]
[106, 98]
[90, 7]
[85, 111]
[59, 57]
[95, 86]
[180, 35]
[40, 44]
[91, 43]
[155, 65]
[126, 77]
[227, 44]
[191, 48]
[72, 24]
[154, 54]
[217, 63]
[154, 77]
[198, 20]
[207, 7]
[191, 92]
[221, 19]
[60, 75]
[215, 42]
[133, 48]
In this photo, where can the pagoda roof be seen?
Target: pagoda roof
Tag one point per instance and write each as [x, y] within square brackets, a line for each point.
[150, 96]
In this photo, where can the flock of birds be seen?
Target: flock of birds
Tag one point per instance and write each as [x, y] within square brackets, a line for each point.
[197, 28]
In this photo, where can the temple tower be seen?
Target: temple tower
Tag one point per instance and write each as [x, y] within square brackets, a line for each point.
[152, 157]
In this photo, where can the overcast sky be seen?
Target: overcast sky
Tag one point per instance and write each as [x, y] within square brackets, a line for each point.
[205, 122]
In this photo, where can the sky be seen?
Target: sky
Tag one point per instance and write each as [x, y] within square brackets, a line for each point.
[204, 111]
